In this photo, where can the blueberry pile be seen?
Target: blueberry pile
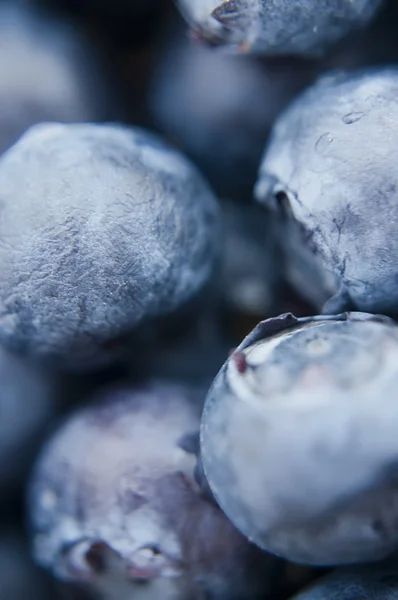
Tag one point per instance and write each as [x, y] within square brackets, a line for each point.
[198, 300]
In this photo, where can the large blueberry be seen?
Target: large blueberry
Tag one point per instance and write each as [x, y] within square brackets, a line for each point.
[102, 228]
[329, 169]
[298, 438]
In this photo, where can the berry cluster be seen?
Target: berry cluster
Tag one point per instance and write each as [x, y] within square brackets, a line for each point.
[198, 300]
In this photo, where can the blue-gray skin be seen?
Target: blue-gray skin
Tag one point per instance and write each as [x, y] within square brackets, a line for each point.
[48, 72]
[114, 504]
[367, 582]
[19, 578]
[277, 27]
[330, 163]
[26, 408]
[288, 438]
[102, 228]
[220, 108]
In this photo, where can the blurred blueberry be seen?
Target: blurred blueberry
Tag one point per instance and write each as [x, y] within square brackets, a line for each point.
[114, 504]
[298, 438]
[329, 170]
[48, 72]
[220, 108]
[102, 227]
[272, 27]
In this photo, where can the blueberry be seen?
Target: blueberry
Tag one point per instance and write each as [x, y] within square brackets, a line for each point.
[275, 27]
[114, 504]
[48, 72]
[26, 406]
[220, 108]
[329, 164]
[298, 437]
[102, 227]
[370, 582]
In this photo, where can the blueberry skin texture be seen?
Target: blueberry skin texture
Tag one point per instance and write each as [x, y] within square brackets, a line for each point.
[26, 406]
[277, 27]
[331, 154]
[369, 582]
[48, 72]
[102, 228]
[114, 504]
[288, 442]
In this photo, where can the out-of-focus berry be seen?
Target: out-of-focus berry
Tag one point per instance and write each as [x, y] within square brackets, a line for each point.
[48, 72]
[220, 108]
[114, 504]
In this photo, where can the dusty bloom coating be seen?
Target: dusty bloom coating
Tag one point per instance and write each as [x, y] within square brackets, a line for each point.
[298, 437]
[103, 227]
[114, 504]
[330, 162]
[275, 27]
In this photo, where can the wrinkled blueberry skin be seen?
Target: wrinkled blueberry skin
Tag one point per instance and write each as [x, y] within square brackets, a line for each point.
[48, 72]
[275, 27]
[330, 157]
[368, 582]
[288, 442]
[26, 406]
[114, 504]
[220, 108]
[102, 228]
